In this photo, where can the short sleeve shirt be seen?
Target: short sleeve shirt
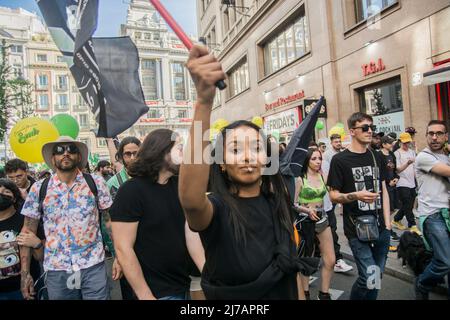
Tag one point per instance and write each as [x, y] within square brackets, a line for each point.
[433, 189]
[71, 222]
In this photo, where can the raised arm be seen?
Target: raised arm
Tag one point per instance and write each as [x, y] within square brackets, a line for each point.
[194, 172]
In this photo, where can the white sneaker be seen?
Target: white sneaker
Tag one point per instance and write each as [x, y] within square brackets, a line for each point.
[342, 266]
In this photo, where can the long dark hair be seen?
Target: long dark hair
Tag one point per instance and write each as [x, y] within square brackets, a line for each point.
[11, 186]
[272, 188]
[311, 151]
[150, 158]
[126, 141]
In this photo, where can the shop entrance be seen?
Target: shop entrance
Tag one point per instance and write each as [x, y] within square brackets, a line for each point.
[443, 101]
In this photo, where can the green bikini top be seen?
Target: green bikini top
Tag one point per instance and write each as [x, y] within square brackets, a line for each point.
[310, 194]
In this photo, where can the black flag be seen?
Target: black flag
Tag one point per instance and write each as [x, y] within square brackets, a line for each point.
[294, 156]
[105, 70]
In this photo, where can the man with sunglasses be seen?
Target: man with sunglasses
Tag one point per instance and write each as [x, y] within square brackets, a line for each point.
[74, 254]
[357, 180]
[126, 154]
[433, 173]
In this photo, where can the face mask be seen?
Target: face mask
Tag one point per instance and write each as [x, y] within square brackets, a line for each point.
[5, 202]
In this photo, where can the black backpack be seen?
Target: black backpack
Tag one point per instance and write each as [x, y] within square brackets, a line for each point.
[89, 180]
[413, 252]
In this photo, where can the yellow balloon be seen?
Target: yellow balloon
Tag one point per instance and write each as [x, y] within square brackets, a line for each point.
[337, 130]
[258, 121]
[219, 124]
[29, 135]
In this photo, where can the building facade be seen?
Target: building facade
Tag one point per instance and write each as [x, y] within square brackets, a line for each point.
[167, 86]
[34, 56]
[388, 58]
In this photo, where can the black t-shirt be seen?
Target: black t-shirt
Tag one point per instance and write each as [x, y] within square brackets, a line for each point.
[231, 263]
[160, 241]
[391, 166]
[351, 172]
[9, 254]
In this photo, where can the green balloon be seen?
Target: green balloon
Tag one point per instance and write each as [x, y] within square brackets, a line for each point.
[320, 125]
[340, 125]
[66, 125]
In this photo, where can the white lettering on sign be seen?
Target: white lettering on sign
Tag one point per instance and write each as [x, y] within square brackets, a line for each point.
[285, 121]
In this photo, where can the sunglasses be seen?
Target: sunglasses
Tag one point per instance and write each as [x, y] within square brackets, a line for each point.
[60, 150]
[366, 127]
[129, 154]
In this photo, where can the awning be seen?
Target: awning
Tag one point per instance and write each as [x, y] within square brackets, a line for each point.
[437, 75]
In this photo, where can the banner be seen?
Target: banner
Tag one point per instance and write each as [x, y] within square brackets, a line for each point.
[105, 70]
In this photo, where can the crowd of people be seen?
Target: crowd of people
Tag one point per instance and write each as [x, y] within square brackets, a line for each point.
[178, 227]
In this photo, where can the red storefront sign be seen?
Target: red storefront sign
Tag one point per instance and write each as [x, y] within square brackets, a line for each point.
[373, 67]
[284, 101]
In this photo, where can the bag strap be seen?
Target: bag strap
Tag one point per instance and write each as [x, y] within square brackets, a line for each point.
[378, 179]
[119, 178]
[43, 194]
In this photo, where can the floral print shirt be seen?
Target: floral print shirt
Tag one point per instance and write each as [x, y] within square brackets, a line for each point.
[71, 222]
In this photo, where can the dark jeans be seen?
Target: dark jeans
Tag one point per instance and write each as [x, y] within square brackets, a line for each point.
[185, 296]
[333, 225]
[392, 198]
[370, 260]
[438, 237]
[13, 295]
[406, 197]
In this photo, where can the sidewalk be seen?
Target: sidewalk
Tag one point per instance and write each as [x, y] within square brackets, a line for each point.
[393, 265]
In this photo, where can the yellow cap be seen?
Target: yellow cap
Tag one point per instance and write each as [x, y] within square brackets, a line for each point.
[405, 137]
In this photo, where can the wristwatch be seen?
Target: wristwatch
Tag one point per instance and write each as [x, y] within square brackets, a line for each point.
[39, 245]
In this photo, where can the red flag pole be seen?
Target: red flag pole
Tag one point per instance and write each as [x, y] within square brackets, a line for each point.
[172, 23]
[178, 31]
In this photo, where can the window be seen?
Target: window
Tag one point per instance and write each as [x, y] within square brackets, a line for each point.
[101, 143]
[43, 102]
[41, 58]
[17, 70]
[182, 114]
[147, 36]
[138, 35]
[83, 121]
[367, 8]
[154, 114]
[42, 81]
[287, 45]
[59, 59]
[80, 100]
[61, 82]
[149, 79]
[239, 78]
[178, 81]
[16, 48]
[382, 98]
[62, 101]
[156, 36]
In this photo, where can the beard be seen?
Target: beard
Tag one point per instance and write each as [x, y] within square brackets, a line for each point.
[436, 146]
[172, 168]
[66, 167]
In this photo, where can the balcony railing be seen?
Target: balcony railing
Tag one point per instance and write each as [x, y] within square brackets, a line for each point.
[60, 107]
[41, 86]
[61, 87]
